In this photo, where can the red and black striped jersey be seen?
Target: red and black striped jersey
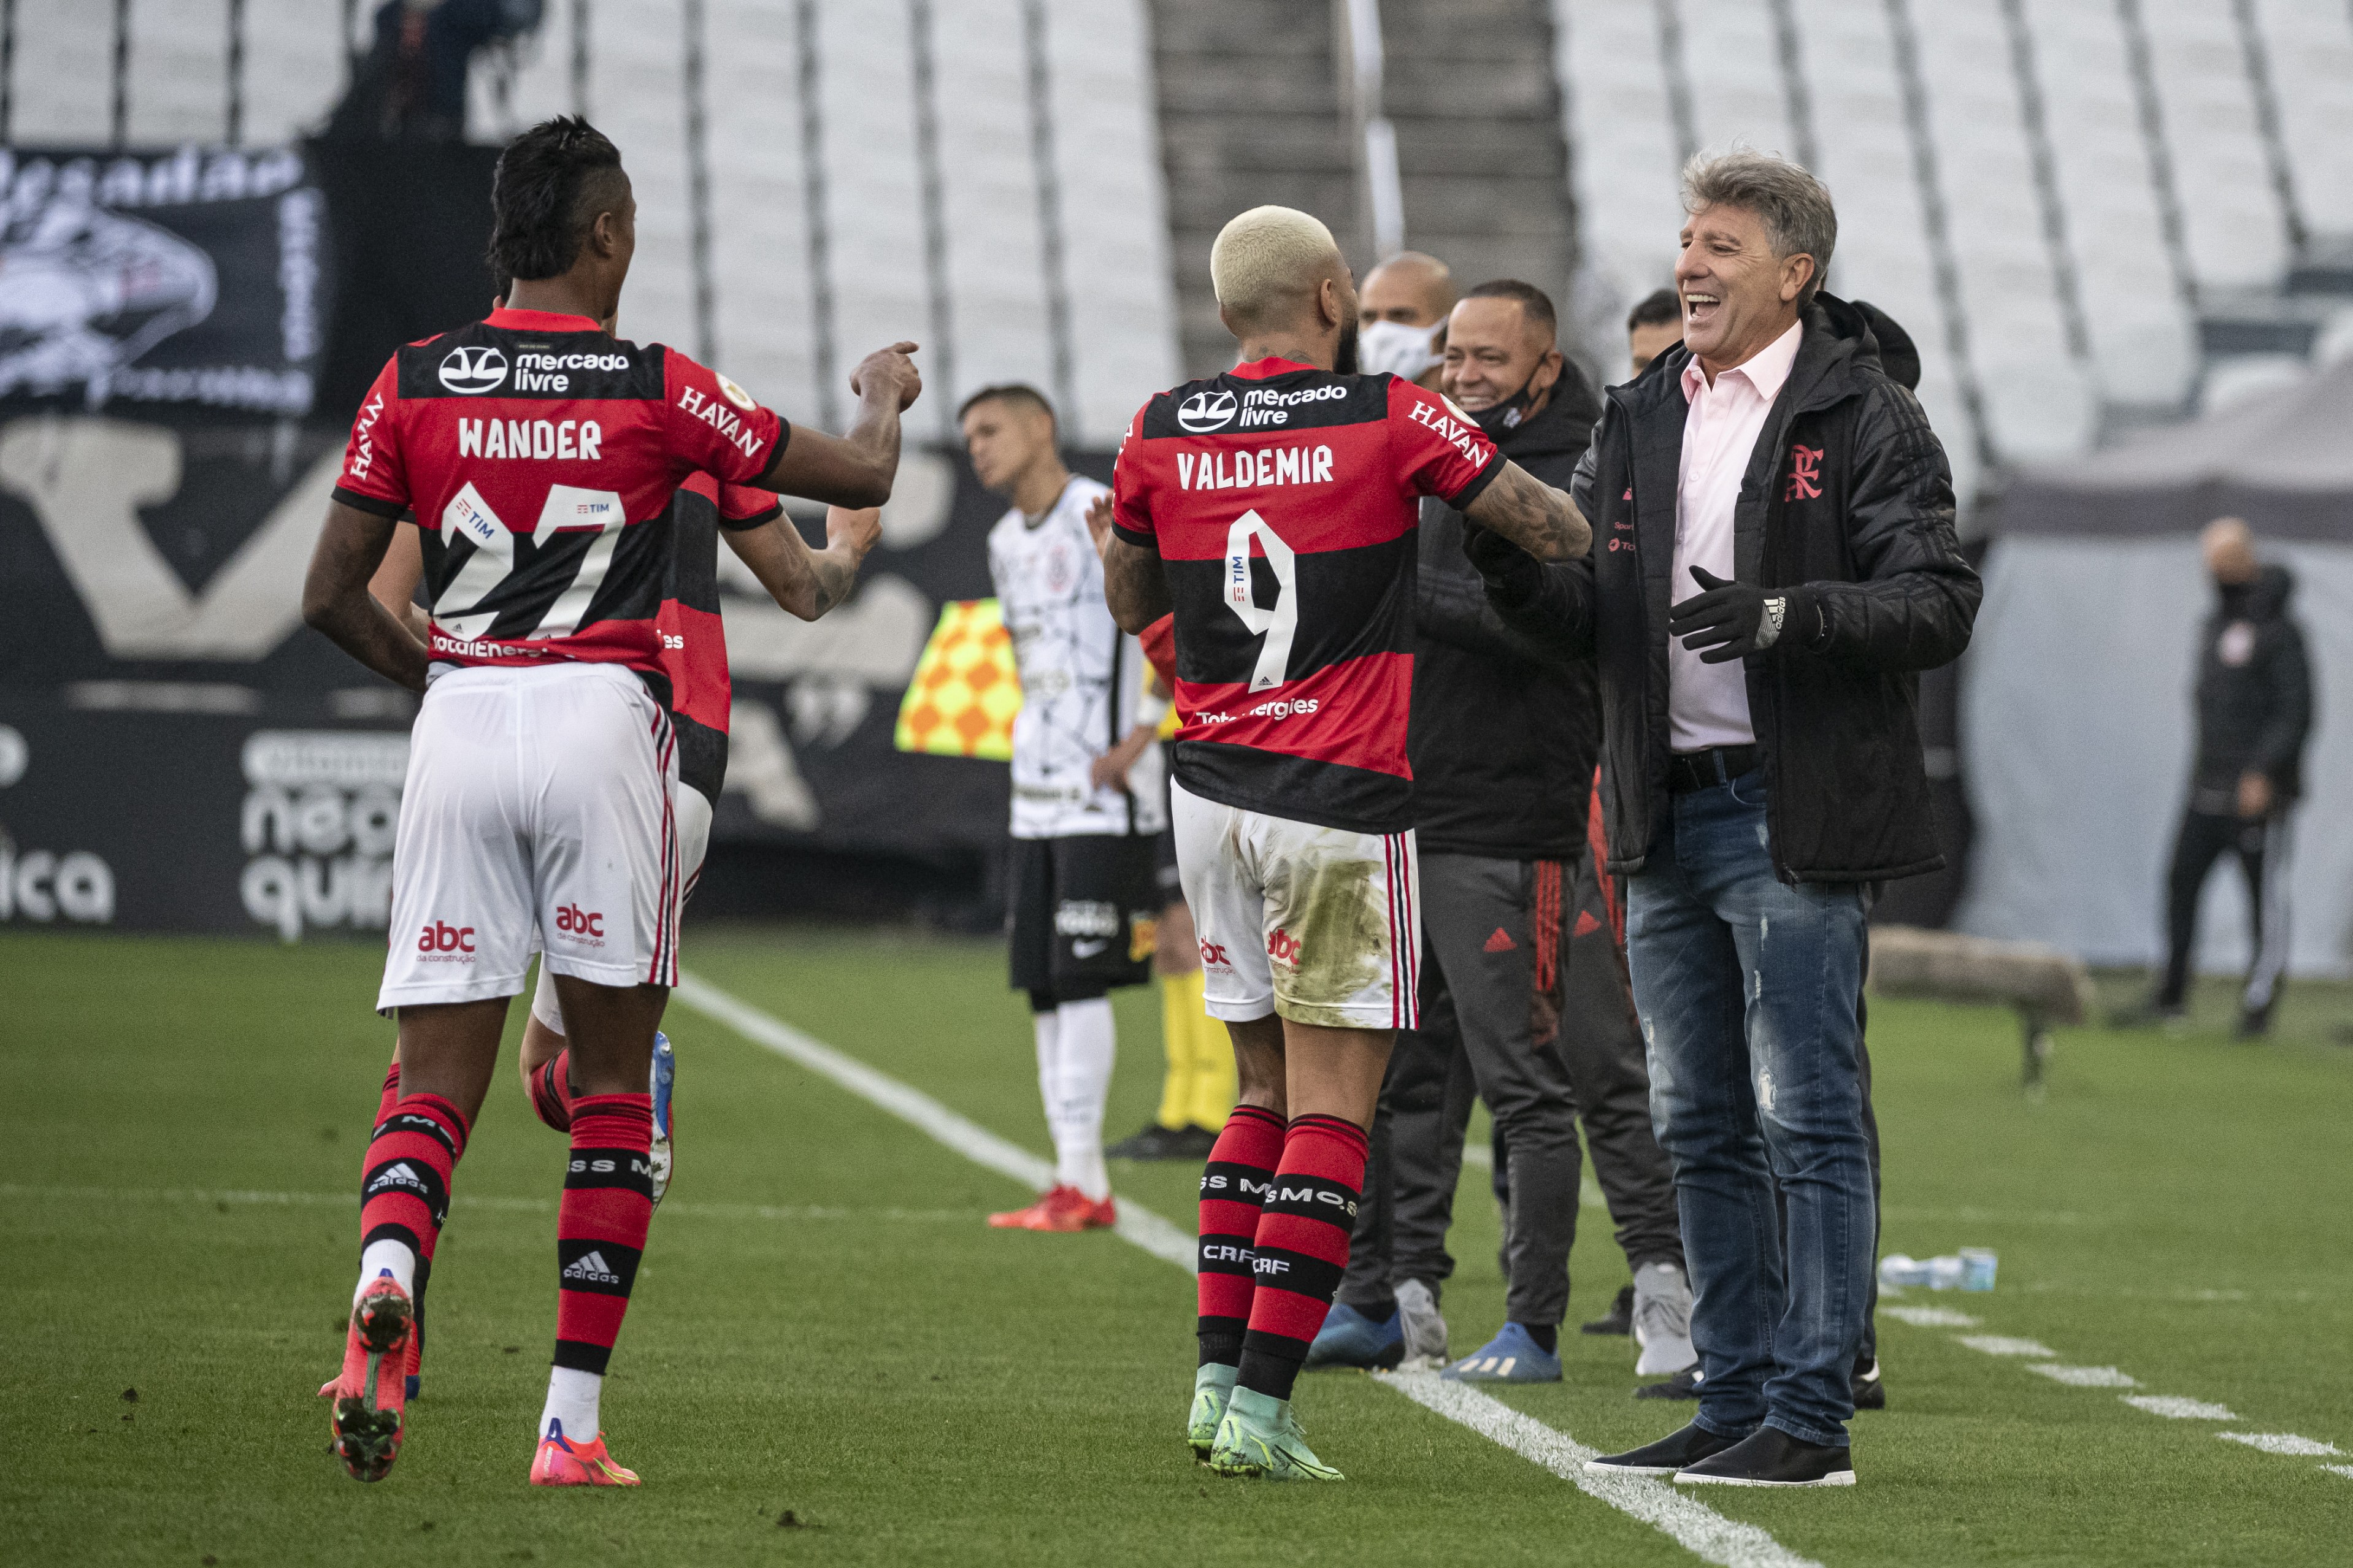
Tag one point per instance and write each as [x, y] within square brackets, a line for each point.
[541, 457]
[693, 641]
[1282, 501]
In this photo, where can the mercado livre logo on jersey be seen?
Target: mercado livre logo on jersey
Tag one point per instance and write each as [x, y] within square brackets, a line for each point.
[470, 372]
[1206, 411]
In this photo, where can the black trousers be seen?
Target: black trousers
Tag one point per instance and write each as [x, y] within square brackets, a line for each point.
[2261, 843]
[1593, 1070]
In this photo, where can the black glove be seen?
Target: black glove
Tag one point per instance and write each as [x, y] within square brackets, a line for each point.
[1731, 620]
[1514, 576]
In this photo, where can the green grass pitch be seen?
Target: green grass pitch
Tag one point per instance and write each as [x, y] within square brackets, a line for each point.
[823, 1324]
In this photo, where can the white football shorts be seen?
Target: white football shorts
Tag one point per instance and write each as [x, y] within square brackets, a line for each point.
[539, 814]
[693, 839]
[1321, 925]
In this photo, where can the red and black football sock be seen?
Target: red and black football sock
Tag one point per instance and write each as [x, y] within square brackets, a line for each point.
[1301, 1248]
[405, 1194]
[1240, 1165]
[600, 1225]
[390, 1098]
[385, 1105]
[551, 1091]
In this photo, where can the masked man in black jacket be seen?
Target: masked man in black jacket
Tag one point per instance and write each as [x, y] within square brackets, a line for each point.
[1774, 563]
[1501, 740]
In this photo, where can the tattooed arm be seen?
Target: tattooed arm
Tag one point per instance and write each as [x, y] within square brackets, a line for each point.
[336, 602]
[1134, 584]
[805, 582]
[1540, 520]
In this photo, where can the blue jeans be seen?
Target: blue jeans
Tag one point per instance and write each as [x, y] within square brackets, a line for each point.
[1747, 990]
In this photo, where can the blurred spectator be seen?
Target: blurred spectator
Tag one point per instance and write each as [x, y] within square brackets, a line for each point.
[2254, 714]
[1402, 318]
[411, 87]
[1655, 326]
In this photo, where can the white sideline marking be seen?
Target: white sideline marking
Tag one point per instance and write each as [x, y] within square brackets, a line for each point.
[1693, 1525]
[2338, 1470]
[1931, 1317]
[1697, 1528]
[2279, 1442]
[2001, 1344]
[911, 1105]
[2083, 1376]
[2178, 1409]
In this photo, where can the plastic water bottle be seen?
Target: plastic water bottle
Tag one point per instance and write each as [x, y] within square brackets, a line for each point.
[1899, 1270]
[1977, 1268]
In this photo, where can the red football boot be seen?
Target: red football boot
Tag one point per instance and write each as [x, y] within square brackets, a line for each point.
[562, 1462]
[371, 1394]
[1062, 1209]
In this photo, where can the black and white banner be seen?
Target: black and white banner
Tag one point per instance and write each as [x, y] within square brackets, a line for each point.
[187, 277]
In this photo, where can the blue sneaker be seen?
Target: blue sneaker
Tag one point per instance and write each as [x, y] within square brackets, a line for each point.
[1348, 1337]
[665, 1073]
[1510, 1357]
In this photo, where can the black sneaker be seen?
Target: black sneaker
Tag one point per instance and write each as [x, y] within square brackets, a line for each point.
[1684, 1384]
[1620, 1320]
[1158, 1143]
[1664, 1457]
[1869, 1393]
[1769, 1457]
[2254, 1023]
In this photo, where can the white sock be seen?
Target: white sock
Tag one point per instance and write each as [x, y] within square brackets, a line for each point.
[572, 1399]
[1075, 1107]
[378, 1256]
[1049, 1026]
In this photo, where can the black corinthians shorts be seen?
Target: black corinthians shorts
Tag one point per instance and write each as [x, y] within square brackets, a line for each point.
[1083, 912]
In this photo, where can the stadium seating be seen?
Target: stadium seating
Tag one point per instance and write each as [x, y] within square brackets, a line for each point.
[2096, 115]
[885, 256]
[2082, 210]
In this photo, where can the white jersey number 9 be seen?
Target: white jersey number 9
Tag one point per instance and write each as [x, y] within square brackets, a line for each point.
[1275, 624]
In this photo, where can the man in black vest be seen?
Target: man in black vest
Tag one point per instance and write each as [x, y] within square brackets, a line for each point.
[1502, 742]
[1774, 563]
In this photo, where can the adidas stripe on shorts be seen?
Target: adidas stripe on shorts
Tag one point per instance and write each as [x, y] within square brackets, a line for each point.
[1321, 925]
[539, 815]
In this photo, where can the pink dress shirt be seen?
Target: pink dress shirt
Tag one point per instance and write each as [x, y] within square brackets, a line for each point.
[1707, 704]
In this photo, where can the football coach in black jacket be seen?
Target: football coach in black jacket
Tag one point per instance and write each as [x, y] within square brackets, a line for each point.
[1774, 562]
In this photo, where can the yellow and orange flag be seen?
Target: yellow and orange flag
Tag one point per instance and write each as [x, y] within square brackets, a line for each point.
[964, 694]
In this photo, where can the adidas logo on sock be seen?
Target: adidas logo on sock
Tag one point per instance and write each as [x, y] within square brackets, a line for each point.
[1501, 942]
[398, 1175]
[592, 1268]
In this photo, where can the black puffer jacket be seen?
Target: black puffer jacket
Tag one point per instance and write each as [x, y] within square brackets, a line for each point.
[1847, 490]
[1503, 733]
[2254, 689]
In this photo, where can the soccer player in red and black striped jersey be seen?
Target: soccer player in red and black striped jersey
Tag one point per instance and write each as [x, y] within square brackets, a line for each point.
[1273, 508]
[540, 455]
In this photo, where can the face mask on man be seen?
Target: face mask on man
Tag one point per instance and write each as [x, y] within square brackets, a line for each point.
[1401, 350]
[1512, 411]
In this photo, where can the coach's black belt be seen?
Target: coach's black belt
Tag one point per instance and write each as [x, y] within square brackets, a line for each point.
[1688, 771]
